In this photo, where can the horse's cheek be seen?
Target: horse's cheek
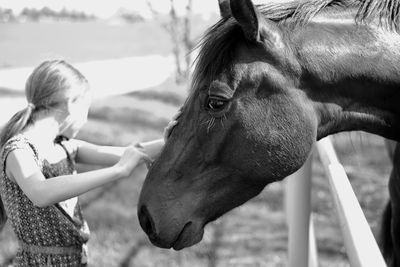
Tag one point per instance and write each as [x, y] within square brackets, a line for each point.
[253, 140]
[297, 141]
[285, 136]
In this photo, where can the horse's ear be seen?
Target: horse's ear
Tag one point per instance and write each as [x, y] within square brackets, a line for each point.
[247, 16]
[254, 25]
[224, 8]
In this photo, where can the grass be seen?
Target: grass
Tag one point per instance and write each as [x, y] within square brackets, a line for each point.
[131, 116]
[27, 44]
[168, 97]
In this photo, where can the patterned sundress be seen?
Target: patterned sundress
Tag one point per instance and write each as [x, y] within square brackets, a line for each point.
[48, 236]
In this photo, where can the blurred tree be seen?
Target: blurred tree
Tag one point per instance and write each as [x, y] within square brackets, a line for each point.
[63, 13]
[179, 29]
[129, 16]
[7, 15]
[47, 12]
[33, 14]
[187, 41]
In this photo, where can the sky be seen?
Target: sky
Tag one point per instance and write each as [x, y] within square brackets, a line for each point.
[107, 8]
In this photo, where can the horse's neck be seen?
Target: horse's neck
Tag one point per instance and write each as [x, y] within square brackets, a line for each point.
[333, 51]
[352, 75]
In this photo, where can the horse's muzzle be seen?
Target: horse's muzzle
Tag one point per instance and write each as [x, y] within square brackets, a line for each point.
[170, 234]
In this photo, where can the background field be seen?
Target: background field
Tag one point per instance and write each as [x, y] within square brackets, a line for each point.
[29, 43]
[252, 235]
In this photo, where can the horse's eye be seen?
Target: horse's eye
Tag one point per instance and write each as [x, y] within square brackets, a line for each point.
[215, 104]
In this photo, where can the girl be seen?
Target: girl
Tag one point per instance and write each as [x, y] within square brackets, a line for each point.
[37, 144]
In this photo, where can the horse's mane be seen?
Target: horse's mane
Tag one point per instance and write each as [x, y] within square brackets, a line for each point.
[216, 50]
[217, 44]
[386, 11]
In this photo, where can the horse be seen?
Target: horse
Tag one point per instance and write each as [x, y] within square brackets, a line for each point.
[268, 83]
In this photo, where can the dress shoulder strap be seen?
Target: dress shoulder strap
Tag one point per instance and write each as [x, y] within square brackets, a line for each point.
[68, 145]
[18, 142]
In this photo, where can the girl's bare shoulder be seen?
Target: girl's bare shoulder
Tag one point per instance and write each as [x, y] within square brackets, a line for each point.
[18, 143]
[19, 157]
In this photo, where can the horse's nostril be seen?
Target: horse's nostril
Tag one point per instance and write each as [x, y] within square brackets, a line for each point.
[147, 223]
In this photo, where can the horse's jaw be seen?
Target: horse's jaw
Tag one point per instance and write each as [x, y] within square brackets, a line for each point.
[175, 216]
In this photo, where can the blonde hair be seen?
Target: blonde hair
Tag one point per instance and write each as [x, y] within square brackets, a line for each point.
[45, 90]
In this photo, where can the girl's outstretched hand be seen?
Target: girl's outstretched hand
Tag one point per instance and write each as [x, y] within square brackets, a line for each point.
[168, 129]
[132, 157]
[171, 125]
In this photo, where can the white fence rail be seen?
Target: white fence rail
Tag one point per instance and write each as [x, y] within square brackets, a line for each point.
[361, 247]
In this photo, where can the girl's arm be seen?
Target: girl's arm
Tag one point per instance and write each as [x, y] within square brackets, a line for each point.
[108, 155]
[88, 153]
[44, 192]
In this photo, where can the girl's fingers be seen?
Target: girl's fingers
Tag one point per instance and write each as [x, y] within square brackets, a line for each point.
[148, 164]
[176, 116]
[144, 157]
[147, 160]
[138, 146]
[168, 129]
[171, 125]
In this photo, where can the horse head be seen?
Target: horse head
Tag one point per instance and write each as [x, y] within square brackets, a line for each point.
[243, 126]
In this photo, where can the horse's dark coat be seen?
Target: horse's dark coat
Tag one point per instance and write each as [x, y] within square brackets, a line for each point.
[262, 94]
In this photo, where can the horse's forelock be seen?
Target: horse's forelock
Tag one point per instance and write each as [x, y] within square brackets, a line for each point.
[216, 52]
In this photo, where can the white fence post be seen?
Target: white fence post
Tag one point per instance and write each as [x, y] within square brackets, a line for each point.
[301, 244]
[359, 241]
[312, 245]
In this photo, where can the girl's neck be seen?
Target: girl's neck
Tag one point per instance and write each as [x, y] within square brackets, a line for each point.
[43, 131]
